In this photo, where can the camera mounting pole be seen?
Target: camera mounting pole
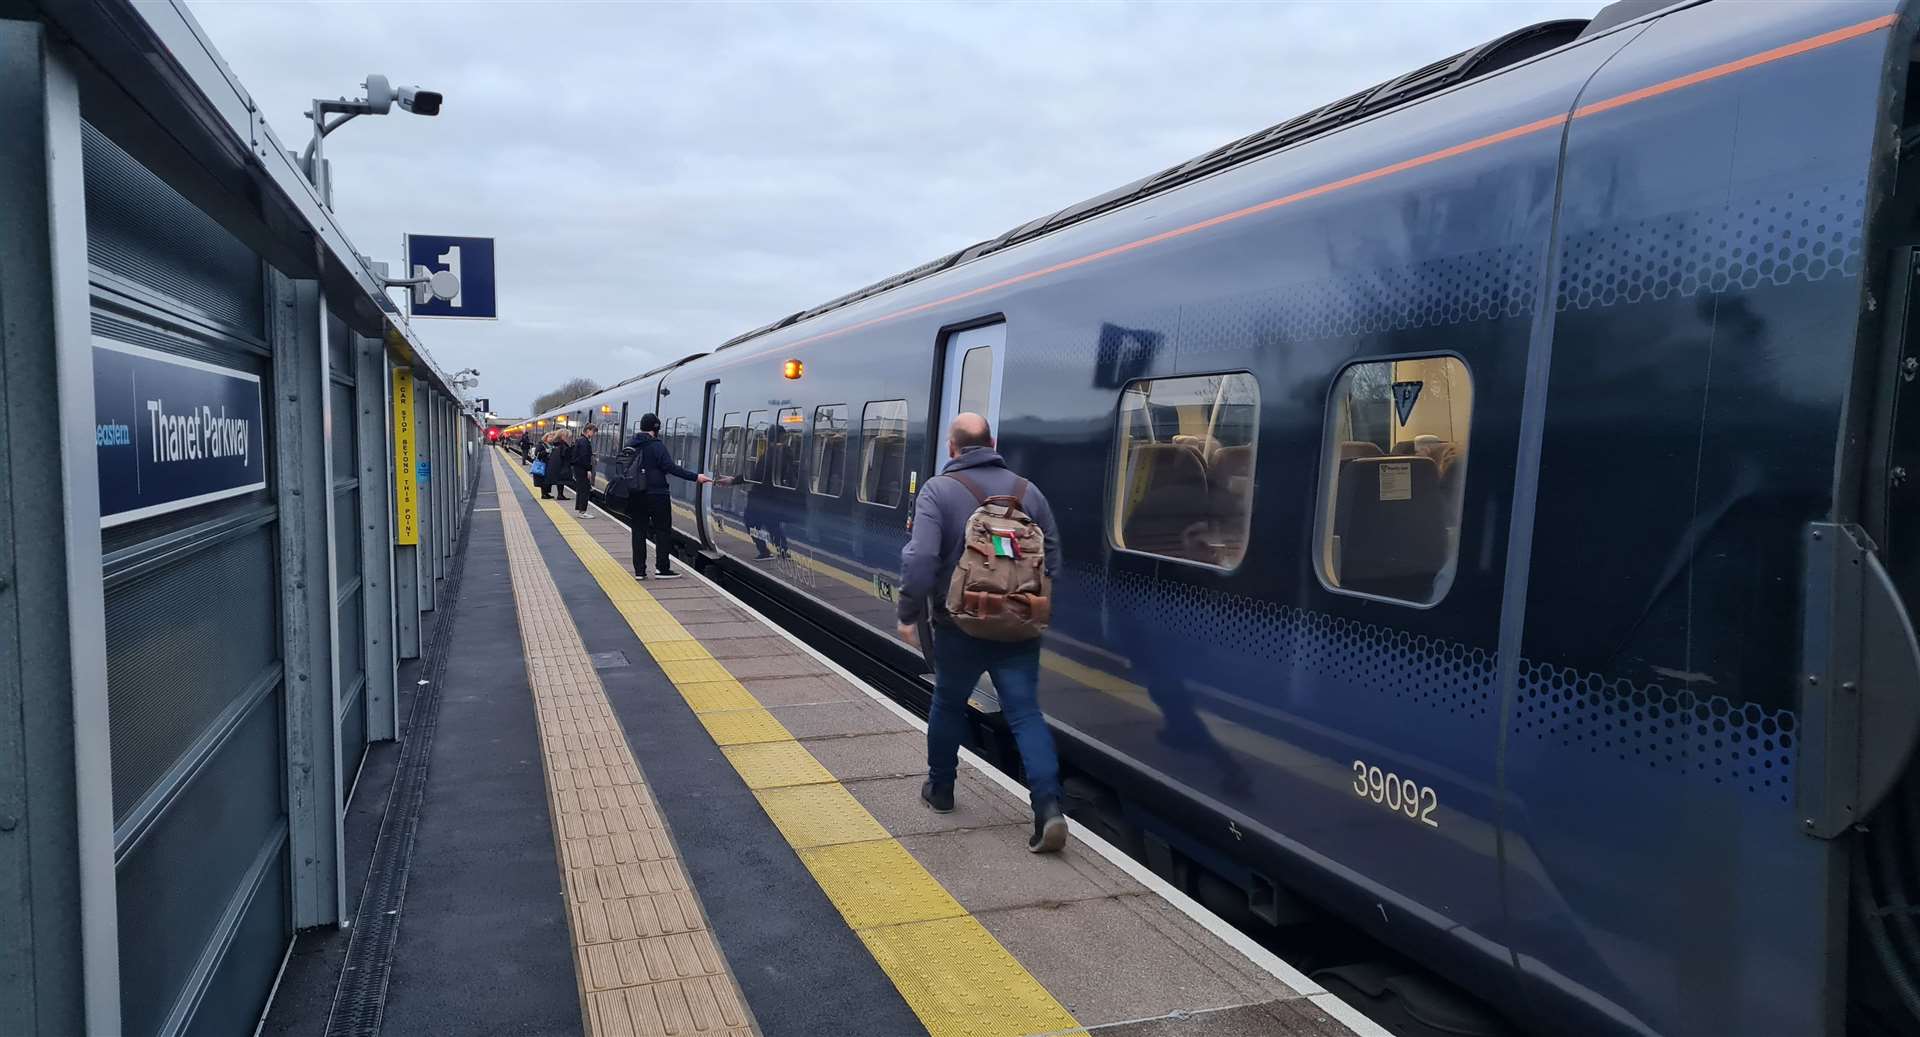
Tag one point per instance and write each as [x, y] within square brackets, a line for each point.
[380, 99]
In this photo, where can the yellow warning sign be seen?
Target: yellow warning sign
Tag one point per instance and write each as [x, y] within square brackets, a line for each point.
[406, 488]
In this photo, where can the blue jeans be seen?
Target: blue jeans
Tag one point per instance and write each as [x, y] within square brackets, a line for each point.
[958, 661]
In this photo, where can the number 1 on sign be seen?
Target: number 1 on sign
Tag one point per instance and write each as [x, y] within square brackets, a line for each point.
[451, 260]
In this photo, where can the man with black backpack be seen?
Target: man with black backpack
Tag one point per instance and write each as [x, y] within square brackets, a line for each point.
[649, 505]
[985, 549]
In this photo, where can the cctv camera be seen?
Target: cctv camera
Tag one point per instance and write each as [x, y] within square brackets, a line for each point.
[418, 101]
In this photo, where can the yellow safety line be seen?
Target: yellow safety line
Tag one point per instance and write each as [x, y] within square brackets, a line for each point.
[645, 960]
[949, 969]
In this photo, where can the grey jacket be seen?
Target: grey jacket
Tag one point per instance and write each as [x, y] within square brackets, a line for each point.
[940, 514]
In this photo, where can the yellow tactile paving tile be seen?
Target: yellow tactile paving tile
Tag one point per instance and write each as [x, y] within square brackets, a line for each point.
[956, 977]
[718, 696]
[692, 671]
[769, 765]
[677, 651]
[878, 883]
[817, 815]
[646, 964]
[959, 980]
[739, 726]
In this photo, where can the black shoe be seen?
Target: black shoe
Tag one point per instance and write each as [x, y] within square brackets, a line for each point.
[937, 797]
[1049, 828]
[666, 576]
[640, 576]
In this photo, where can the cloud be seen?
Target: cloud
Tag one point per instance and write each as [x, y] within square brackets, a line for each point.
[663, 177]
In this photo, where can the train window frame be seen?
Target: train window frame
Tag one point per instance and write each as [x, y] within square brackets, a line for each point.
[813, 450]
[747, 457]
[1110, 520]
[792, 445]
[730, 461]
[866, 448]
[1326, 483]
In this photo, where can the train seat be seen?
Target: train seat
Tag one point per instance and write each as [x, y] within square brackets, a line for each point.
[1173, 514]
[1357, 448]
[1203, 445]
[1391, 517]
[1230, 481]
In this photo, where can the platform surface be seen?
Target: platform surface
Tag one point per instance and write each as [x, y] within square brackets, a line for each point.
[739, 847]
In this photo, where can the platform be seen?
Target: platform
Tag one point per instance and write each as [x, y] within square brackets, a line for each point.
[650, 811]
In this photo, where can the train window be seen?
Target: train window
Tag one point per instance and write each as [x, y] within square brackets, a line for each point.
[883, 452]
[976, 380]
[786, 448]
[830, 449]
[1184, 467]
[753, 467]
[1390, 498]
[733, 439]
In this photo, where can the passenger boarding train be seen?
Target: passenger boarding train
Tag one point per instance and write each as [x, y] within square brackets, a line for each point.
[1490, 505]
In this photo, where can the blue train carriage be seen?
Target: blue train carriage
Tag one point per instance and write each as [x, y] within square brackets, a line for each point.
[1486, 502]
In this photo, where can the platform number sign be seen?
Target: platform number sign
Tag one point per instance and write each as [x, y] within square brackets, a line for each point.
[470, 260]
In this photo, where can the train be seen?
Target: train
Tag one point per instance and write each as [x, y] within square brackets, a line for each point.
[1490, 508]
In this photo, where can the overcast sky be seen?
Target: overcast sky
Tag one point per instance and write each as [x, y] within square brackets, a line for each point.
[662, 177]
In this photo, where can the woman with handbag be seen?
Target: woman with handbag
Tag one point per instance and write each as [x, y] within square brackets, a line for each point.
[541, 455]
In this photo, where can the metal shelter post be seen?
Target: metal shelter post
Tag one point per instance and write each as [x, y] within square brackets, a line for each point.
[304, 460]
[59, 938]
[374, 404]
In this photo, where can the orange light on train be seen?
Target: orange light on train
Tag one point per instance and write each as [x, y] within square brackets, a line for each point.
[792, 369]
[606, 408]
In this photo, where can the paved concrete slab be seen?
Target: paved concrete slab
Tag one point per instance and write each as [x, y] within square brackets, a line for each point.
[988, 871]
[833, 719]
[796, 691]
[895, 803]
[787, 665]
[1298, 1017]
[896, 754]
[1070, 947]
[761, 646]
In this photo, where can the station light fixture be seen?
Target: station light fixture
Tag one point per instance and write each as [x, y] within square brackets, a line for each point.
[793, 369]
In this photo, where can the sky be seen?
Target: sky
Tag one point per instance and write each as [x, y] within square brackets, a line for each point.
[662, 177]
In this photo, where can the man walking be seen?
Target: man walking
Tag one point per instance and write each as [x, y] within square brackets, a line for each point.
[650, 505]
[977, 502]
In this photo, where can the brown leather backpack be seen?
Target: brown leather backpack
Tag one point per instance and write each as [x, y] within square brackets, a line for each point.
[1000, 590]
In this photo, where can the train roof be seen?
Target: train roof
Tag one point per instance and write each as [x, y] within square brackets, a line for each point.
[1499, 53]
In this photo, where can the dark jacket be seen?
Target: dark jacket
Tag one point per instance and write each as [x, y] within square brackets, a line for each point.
[652, 463]
[940, 514]
[582, 457]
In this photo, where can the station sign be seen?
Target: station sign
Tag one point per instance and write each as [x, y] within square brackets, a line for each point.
[406, 487]
[468, 259]
[173, 433]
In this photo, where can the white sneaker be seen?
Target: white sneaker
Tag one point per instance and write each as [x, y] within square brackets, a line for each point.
[586, 515]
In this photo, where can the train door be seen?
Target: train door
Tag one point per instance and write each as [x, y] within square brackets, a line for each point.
[970, 380]
[709, 451]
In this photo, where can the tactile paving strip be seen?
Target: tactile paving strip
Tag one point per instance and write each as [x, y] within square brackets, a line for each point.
[949, 969]
[646, 964]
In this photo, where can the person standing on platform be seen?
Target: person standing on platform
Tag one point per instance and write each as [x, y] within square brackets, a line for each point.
[560, 463]
[650, 505]
[526, 448]
[583, 471]
[543, 453]
[985, 549]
